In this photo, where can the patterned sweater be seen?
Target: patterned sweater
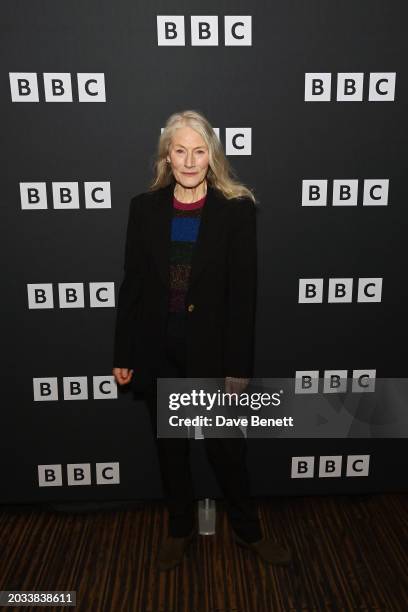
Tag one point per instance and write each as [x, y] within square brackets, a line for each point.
[184, 232]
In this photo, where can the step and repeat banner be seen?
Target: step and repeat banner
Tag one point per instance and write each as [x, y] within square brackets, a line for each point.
[309, 101]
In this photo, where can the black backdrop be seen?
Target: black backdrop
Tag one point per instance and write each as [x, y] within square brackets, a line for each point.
[260, 86]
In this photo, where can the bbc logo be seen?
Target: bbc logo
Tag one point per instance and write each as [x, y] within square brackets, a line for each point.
[78, 474]
[344, 192]
[340, 290]
[204, 30]
[57, 87]
[350, 87]
[330, 466]
[65, 195]
[71, 295]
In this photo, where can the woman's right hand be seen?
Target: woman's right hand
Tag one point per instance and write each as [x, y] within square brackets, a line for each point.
[123, 376]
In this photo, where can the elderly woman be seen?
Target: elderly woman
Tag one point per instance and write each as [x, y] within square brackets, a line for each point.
[186, 308]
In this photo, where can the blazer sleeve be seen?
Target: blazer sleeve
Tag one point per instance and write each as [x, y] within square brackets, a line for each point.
[130, 289]
[242, 288]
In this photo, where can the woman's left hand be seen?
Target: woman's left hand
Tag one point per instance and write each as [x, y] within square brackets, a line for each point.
[235, 385]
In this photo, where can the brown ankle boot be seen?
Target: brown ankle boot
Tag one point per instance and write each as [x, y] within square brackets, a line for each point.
[172, 551]
[267, 549]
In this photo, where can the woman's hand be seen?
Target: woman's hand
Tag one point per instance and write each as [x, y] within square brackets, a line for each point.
[235, 385]
[123, 376]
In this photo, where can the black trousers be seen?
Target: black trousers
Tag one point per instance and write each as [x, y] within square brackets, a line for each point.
[227, 456]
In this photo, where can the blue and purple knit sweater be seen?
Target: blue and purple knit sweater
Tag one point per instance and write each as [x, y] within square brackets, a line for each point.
[184, 231]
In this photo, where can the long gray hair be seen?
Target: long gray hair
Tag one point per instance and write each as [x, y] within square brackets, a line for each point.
[220, 173]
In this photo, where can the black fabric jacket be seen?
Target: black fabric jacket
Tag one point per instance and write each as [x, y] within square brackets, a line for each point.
[221, 298]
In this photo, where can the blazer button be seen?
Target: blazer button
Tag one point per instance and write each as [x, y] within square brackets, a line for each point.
[190, 307]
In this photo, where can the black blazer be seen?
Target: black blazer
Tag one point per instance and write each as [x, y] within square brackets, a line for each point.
[221, 298]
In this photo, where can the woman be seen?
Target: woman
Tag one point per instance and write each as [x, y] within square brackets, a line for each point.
[186, 308]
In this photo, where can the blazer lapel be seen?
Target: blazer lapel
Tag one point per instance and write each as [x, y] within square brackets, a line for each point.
[207, 234]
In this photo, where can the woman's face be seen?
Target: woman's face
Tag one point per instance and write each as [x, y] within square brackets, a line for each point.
[188, 155]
